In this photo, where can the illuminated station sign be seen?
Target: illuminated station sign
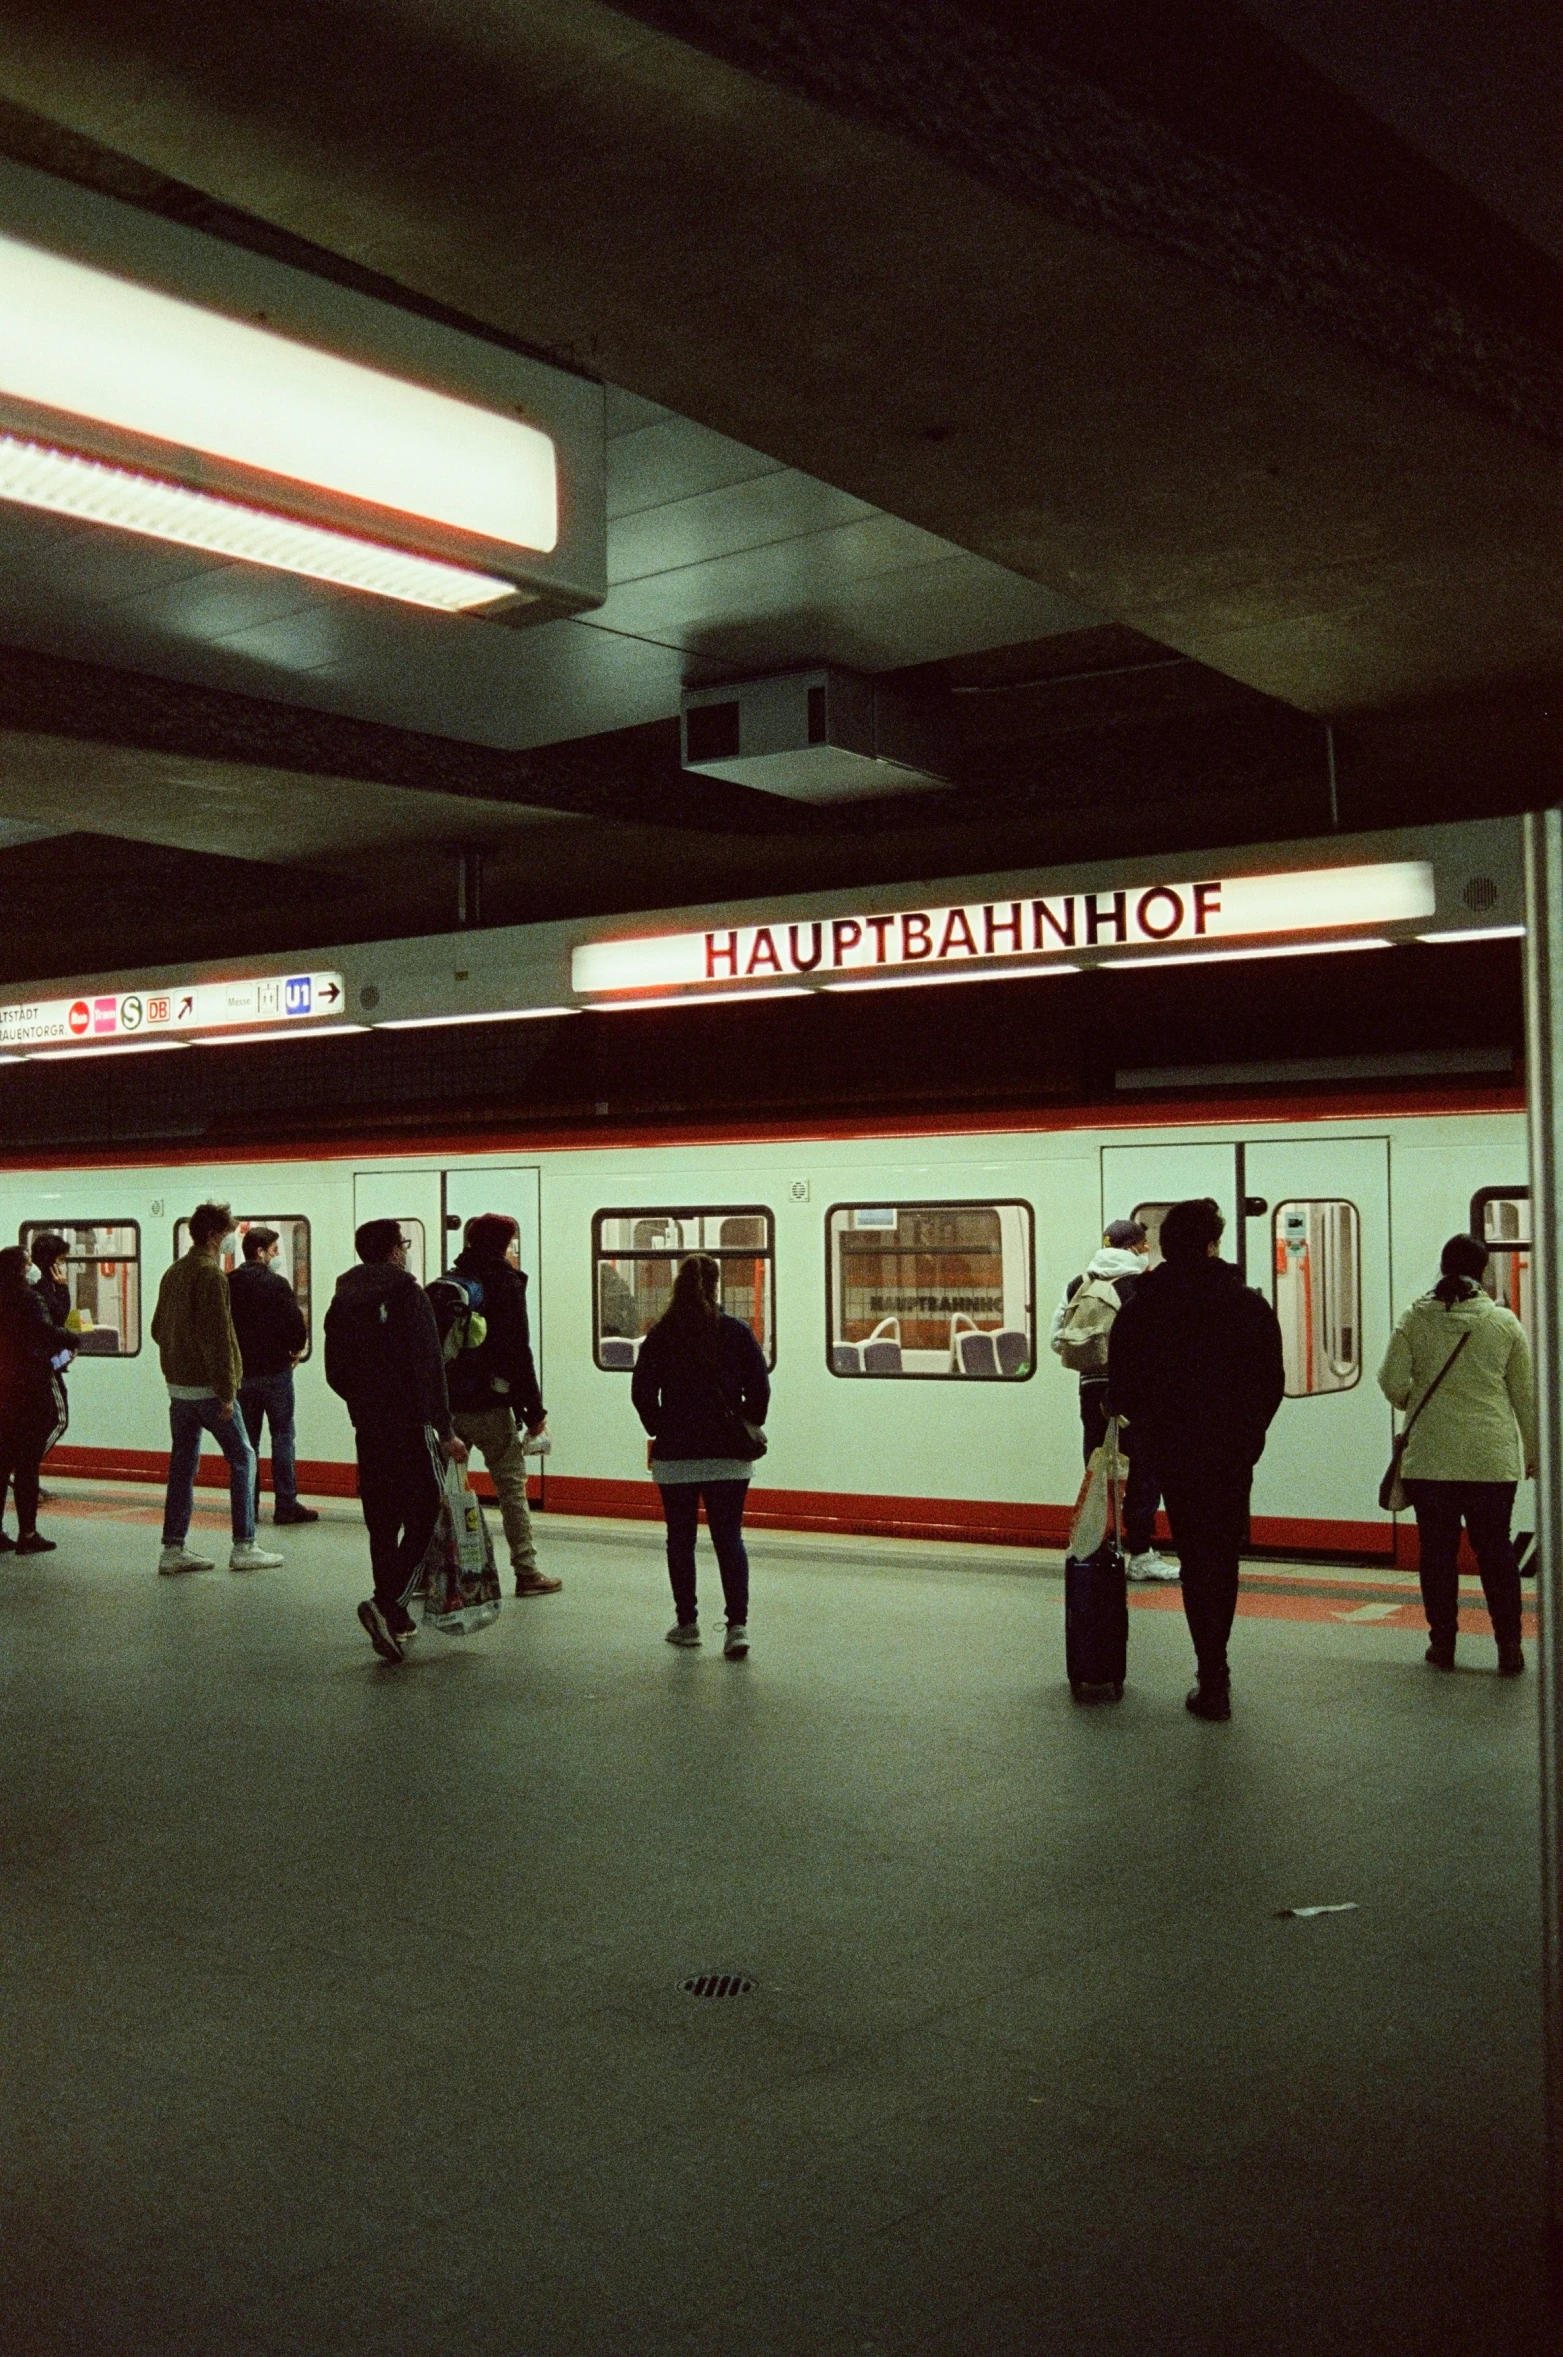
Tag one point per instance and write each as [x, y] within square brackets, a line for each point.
[278, 1001]
[1040, 933]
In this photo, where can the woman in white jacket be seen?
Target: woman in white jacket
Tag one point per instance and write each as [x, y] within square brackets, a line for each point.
[1467, 1451]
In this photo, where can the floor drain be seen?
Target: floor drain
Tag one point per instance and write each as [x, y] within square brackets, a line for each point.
[717, 1984]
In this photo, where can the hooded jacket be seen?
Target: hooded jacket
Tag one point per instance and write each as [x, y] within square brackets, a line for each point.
[1194, 1362]
[501, 1372]
[1480, 1424]
[383, 1350]
[1116, 1267]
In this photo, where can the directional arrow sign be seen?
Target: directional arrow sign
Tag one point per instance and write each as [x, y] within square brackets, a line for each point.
[200, 1007]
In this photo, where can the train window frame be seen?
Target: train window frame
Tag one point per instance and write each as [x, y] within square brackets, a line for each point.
[1323, 1202]
[27, 1229]
[270, 1219]
[701, 1211]
[952, 1374]
[1513, 1246]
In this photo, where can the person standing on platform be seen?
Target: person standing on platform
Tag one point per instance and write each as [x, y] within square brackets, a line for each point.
[34, 1349]
[51, 1255]
[494, 1389]
[383, 1357]
[192, 1326]
[1107, 1282]
[1195, 1363]
[272, 1335]
[699, 1380]
[1467, 1358]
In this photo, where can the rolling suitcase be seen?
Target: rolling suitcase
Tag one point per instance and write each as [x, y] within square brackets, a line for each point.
[1096, 1590]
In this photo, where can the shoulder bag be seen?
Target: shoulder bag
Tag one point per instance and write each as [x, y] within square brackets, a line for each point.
[1391, 1490]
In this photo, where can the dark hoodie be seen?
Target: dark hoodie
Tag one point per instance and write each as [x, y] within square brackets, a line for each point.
[501, 1372]
[1194, 1363]
[383, 1349]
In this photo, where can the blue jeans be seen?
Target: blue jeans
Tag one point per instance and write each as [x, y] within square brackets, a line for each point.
[724, 1519]
[271, 1396]
[187, 1420]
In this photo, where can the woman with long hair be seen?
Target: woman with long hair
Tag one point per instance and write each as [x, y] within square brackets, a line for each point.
[33, 1350]
[701, 1390]
[1468, 1445]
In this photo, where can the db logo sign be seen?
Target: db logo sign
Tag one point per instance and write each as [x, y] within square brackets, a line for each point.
[80, 1017]
[158, 1010]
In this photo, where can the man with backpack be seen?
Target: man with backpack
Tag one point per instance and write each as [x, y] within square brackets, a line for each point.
[1082, 1326]
[480, 1310]
[383, 1357]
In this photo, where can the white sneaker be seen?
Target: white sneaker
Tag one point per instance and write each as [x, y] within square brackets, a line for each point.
[1151, 1566]
[252, 1558]
[684, 1632]
[174, 1559]
[737, 1644]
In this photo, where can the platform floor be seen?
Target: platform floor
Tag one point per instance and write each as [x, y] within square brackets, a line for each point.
[341, 2005]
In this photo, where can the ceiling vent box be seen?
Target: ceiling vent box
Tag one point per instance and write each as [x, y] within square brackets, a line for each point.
[815, 736]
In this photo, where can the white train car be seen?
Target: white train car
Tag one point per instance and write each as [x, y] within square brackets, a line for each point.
[902, 1284]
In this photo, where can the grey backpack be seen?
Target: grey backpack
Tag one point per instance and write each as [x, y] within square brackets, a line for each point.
[1082, 1338]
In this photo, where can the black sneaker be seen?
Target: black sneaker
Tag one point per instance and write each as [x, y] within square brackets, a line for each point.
[1210, 1699]
[1440, 1654]
[7, 1543]
[1511, 1661]
[295, 1513]
[379, 1631]
[32, 1543]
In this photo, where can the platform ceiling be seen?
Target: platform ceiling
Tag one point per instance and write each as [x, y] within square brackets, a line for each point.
[1149, 391]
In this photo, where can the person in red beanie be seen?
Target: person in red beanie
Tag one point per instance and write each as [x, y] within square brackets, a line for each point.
[494, 1389]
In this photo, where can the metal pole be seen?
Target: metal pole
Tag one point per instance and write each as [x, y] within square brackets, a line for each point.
[1544, 1090]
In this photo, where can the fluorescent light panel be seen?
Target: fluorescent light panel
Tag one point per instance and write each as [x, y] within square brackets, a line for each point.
[98, 346]
[703, 998]
[245, 1039]
[108, 1047]
[930, 981]
[1479, 933]
[1221, 957]
[33, 475]
[499, 1015]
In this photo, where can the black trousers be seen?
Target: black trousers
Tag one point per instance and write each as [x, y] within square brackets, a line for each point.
[1208, 1511]
[1485, 1508]
[724, 1503]
[1141, 1490]
[25, 1433]
[400, 1491]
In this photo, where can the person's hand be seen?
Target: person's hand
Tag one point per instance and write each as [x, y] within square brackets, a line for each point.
[533, 1430]
[294, 1356]
[1530, 1468]
[455, 1450]
[650, 1445]
[225, 1411]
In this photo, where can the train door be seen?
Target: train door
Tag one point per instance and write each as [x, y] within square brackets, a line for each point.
[1318, 1245]
[1139, 1182]
[512, 1188]
[415, 1198]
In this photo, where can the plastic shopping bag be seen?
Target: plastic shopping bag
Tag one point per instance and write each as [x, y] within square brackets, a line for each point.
[460, 1579]
[1096, 1506]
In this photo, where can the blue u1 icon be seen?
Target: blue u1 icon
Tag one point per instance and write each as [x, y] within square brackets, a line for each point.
[296, 995]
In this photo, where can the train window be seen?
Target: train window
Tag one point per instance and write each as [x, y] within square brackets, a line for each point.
[1501, 1217]
[292, 1259]
[1318, 1295]
[636, 1256]
[103, 1273]
[932, 1289]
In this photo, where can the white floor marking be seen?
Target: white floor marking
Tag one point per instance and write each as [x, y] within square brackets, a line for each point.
[1369, 1612]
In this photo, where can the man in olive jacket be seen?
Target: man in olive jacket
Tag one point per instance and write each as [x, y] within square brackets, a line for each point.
[1194, 1362]
[193, 1329]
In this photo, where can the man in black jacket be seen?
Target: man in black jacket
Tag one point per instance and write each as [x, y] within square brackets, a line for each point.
[1194, 1362]
[272, 1336]
[383, 1357]
[494, 1388]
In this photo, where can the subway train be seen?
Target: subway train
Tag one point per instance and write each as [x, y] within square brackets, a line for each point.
[901, 1283]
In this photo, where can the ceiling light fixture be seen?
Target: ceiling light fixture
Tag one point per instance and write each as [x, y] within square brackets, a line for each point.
[703, 998]
[106, 1047]
[492, 1015]
[937, 981]
[245, 1039]
[33, 475]
[1478, 933]
[1220, 957]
